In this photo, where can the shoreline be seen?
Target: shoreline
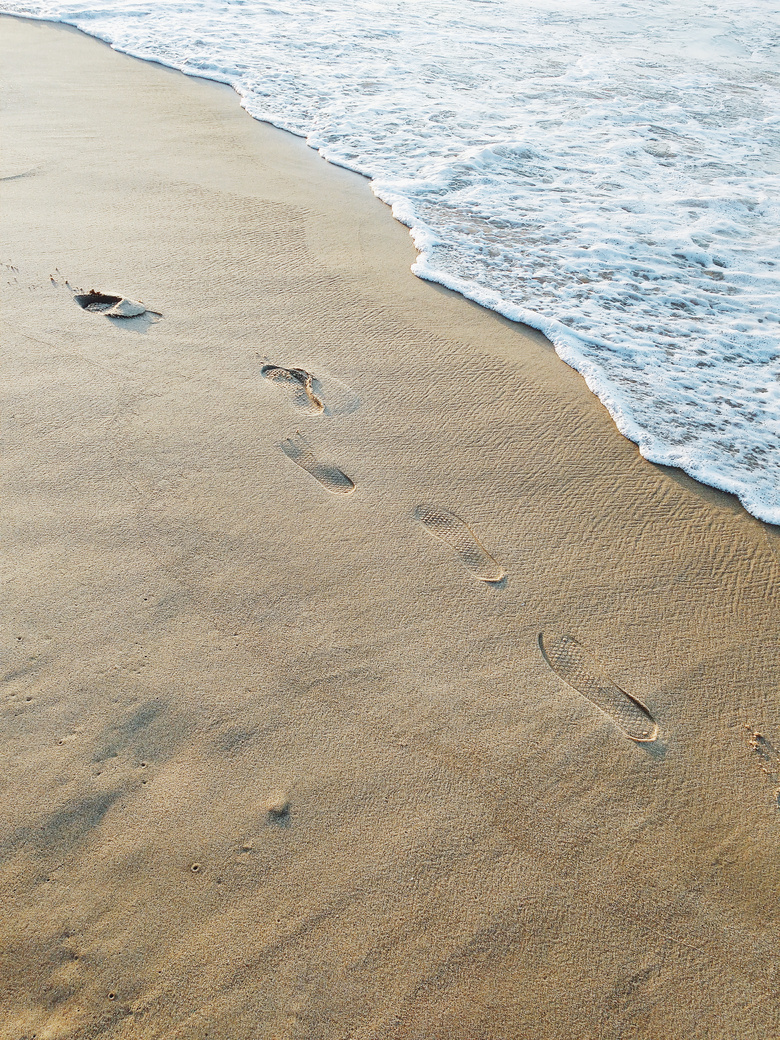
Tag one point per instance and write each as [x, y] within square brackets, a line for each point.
[608, 394]
[282, 756]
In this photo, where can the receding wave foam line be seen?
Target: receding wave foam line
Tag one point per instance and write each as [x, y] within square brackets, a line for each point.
[621, 196]
[764, 505]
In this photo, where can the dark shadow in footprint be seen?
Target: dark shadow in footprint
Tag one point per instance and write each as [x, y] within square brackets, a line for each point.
[571, 662]
[298, 383]
[331, 477]
[447, 527]
[115, 307]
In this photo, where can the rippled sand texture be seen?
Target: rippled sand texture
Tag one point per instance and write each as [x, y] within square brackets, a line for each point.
[274, 763]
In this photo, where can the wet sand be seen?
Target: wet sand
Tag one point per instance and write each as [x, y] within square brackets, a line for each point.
[283, 753]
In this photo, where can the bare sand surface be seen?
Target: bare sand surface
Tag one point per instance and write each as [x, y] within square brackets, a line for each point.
[282, 754]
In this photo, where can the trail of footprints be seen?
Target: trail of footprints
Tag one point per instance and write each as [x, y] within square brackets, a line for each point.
[570, 661]
[299, 386]
[565, 655]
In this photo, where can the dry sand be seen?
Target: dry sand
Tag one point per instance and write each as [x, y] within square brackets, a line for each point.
[277, 760]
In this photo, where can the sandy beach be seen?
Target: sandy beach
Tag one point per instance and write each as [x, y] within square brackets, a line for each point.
[337, 617]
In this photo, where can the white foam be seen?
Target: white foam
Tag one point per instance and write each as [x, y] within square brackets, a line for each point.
[607, 173]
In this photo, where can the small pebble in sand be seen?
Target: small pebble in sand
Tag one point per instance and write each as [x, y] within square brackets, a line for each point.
[277, 806]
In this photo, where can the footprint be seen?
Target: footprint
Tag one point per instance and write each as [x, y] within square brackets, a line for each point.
[571, 662]
[111, 306]
[331, 477]
[451, 529]
[298, 383]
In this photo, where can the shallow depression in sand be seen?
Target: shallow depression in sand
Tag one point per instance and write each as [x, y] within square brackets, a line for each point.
[449, 528]
[569, 659]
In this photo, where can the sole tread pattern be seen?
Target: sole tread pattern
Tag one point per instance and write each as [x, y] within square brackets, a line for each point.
[570, 661]
[449, 528]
